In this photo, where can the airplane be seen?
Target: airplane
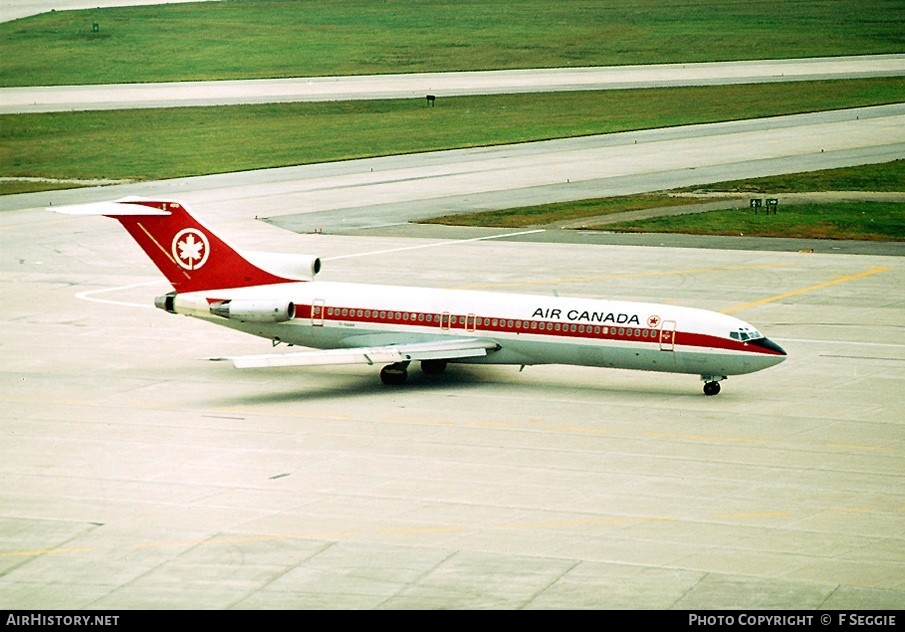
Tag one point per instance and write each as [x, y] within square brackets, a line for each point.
[276, 297]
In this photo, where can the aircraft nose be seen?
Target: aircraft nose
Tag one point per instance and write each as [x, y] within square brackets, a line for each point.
[772, 346]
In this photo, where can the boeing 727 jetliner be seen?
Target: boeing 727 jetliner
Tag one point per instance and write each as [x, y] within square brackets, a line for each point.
[276, 297]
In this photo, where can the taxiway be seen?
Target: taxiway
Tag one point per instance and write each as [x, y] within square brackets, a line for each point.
[135, 474]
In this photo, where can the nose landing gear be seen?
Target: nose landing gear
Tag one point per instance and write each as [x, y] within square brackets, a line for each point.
[712, 384]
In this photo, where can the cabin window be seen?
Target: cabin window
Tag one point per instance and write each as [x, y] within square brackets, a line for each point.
[637, 333]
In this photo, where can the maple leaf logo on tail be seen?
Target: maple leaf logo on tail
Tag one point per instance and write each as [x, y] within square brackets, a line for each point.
[190, 249]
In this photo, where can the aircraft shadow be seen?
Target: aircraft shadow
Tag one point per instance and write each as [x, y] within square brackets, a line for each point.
[336, 384]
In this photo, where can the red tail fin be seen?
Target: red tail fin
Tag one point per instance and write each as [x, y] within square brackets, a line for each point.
[189, 255]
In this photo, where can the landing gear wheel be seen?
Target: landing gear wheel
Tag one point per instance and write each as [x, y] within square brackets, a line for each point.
[433, 367]
[394, 374]
[711, 388]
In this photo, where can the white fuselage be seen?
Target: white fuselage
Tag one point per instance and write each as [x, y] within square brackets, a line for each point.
[529, 329]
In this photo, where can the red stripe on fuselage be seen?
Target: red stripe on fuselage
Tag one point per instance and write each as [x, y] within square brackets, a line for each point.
[486, 324]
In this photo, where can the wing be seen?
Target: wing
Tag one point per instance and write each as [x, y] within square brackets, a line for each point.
[433, 350]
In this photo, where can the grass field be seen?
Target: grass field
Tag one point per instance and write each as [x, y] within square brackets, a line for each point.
[167, 143]
[874, 221]
[888, 177]
[832, 220]
[240, 39]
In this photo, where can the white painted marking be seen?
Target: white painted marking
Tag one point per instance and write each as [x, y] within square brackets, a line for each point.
[89, 295]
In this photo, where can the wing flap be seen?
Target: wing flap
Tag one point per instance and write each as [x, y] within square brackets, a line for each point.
[433, 350]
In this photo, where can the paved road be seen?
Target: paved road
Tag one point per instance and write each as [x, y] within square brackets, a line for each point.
[15, 9]
[418, 85]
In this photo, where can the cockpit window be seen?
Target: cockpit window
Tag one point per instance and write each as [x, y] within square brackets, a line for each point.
[745, 333]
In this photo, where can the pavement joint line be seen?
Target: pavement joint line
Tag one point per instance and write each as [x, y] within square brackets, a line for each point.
[626, 275]
[450, 242]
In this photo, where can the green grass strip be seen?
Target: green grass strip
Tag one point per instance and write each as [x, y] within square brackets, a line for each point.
[168, 143]
[850, 220]
[243, 39]
[875, 221]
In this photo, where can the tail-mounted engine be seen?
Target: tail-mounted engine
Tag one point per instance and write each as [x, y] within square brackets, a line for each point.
[167, 302]
[242, 310]
[254, 311]
[293, 266]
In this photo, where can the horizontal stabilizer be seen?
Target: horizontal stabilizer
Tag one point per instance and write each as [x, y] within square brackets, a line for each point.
[434, 350]
[122, 207]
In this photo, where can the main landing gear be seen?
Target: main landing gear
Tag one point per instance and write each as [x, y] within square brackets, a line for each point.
[396, 373]
[433, 367]
[712, 384]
